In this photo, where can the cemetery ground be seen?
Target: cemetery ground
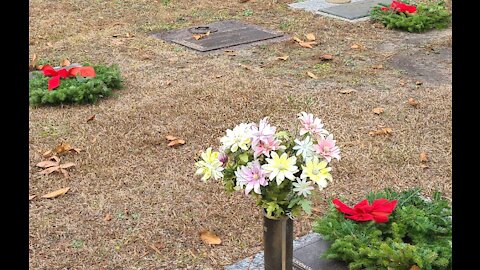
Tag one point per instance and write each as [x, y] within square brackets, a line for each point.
[134, 202]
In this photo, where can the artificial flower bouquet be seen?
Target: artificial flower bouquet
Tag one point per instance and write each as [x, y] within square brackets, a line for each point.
[278, 168]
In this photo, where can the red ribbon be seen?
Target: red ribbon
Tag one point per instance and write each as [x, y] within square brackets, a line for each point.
[54, 82]
[362, 211]
[401, 7]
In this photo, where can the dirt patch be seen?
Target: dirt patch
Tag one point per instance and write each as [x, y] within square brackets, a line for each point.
[428, 65]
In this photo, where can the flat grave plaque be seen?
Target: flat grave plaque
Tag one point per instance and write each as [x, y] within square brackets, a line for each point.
[223, 34]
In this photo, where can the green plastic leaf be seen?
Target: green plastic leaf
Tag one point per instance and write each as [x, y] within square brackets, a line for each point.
[306, 205]
[243, 157]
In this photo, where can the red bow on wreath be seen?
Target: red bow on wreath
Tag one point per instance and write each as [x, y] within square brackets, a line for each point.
[362, 211]
[401, 7]
[54, 82]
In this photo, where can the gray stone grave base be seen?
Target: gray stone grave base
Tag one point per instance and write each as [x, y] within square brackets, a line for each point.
[306, 256]
[355, 11]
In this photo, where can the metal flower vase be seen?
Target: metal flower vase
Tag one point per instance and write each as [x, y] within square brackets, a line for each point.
[278, 243]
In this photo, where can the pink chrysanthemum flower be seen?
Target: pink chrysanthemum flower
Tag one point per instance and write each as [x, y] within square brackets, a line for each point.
[311, 125]
[265, 147]
[263, 132]
[263, 140]
[253, 176]
[327, 148]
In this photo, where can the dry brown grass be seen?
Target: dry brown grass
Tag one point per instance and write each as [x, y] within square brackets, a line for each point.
[149, 189]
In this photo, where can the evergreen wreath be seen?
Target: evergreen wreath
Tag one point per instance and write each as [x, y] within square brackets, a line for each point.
[76, 89]
[418, 232]
[412, 18]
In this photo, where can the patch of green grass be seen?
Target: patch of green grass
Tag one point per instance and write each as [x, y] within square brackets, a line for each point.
[165, 2]
[163, 26]
[202, 13]
[77, 243]
[121, 216]
[247, 12]
[349, 62]
[178, 49]
[285, 25]
[52, 130]
[322, 67]
[263, 46]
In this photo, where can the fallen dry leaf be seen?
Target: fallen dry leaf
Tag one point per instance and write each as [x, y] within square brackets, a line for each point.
[355, 46]
[64, 172]
[168, 83]
[423, 157]
[200, 36]
[284, 58]
[418, 83]
[91, 118]
[53, 161]
[378, 110]
[310, 37]
[64, 148]
[326, 57]
[413, 102]
[170, 137]
[47, 153]
[65, 62]
[129, 35]
[176, 142]
[424, 166]
[401, 82]
[53, 165]
[297, 39]
[49, 44]
[382, 131]
[377, 66]
[218, 76]
[107, 217]
[310, 74]
[414, 267]
[31, 197]
[77, 150]
[307, 44]
[67, 165]
[33, 63]
[347, 91]
[56, 193]
[49, 170]
[210, 238]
